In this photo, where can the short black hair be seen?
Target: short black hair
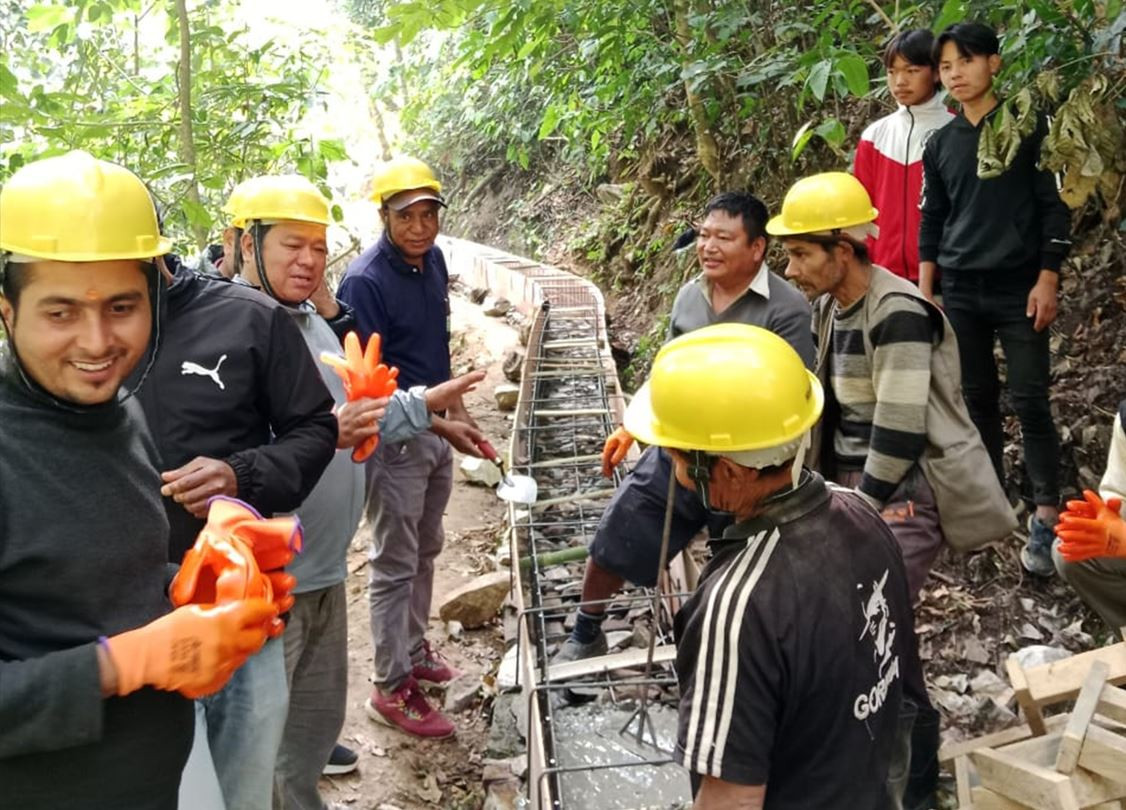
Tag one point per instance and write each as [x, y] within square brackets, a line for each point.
[14, 276]
[916, 45]
[971, 38]
[744, 205]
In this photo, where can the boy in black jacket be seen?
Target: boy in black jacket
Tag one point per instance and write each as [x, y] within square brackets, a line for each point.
[1000, 243]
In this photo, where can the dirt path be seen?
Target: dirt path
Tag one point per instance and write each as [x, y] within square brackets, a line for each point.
[397, 771]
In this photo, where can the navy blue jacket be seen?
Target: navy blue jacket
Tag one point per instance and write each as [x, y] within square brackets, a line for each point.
[410, 309]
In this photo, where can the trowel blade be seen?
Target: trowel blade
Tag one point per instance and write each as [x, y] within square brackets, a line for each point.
[518, 489]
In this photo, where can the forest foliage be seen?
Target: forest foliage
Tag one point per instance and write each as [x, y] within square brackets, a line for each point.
[605, 84]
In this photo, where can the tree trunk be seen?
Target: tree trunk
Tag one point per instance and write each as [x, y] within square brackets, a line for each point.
[707, 148]
[187, 142]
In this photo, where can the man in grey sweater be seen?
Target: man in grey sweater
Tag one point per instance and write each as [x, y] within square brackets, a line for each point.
[90, 656]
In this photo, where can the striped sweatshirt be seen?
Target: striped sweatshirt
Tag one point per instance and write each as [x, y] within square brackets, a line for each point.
[880, 374]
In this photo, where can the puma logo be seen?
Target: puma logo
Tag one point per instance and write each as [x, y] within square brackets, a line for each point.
[188, 367]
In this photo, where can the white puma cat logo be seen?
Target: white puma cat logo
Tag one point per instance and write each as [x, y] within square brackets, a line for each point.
[188, 367]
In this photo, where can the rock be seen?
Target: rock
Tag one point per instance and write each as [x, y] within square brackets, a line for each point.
[478, 294]
[506, 396]
[504, 734]
[513, 364]
[480, 471]
[975, 651]
[477, 602]
[454, 630]
[506, 673]
[987, 683]
[525, 334]
[498, 308]
[461, 693]
[502, 795]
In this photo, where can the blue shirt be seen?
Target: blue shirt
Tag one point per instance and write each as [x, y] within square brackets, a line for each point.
[409, 308]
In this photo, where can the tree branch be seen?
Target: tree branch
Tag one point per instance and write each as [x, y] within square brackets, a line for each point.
[187, 142]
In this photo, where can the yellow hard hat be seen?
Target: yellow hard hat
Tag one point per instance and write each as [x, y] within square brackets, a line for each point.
[823, 202]
[76, 208]
[728, 389]
[405, 174]
[234, 204]
[277, 197]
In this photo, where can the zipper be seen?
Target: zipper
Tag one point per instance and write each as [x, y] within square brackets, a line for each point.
[906, 183]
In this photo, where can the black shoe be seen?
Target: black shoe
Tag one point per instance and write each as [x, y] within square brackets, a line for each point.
[343, 760]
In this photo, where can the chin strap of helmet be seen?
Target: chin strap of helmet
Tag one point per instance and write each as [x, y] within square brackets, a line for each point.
[700, 471]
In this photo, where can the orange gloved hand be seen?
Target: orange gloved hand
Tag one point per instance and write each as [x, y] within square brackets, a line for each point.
[1092, 528]
[363, 376]
[617, 445]
[239, 555]
[193, 650]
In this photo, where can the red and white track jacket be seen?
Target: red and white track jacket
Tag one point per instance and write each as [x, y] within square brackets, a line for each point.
[889, 162]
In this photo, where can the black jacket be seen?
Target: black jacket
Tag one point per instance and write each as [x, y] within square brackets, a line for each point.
[1016, 221]
[233, 380]
[83, 549]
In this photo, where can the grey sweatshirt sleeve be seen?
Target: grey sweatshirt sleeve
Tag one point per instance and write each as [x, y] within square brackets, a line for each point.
[406, 415]
[50, 703]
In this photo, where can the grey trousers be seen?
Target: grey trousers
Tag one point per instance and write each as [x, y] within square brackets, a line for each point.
[316, 667]
[409, 485]
[1101, 583]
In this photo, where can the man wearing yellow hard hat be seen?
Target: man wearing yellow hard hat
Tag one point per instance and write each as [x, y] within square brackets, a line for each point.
[790, 652]
[399, 288]
[900, 434]
[91, 658]
[238, 408]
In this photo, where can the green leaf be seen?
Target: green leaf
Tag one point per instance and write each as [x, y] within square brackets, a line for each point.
[818, 78]
[831, 131]
[332, 149]
[550, 121]
[45, 17]
[801, 138]
[855, 72]
[197, 215]
[9, 85]
[952, 11]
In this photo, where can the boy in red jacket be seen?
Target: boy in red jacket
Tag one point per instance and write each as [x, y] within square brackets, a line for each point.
[889, 157]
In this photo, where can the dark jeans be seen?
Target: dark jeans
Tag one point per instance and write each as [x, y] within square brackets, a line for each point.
[983, 306]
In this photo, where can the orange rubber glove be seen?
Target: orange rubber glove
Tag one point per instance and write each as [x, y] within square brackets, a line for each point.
[363, 376]
[193, 650]
[617, 445]
[239, 555]
[1092, 528]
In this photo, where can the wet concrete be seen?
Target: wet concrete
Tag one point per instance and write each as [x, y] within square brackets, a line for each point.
[590, 735]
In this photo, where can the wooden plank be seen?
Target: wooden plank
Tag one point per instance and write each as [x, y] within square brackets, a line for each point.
[1038, 751]
[1072, 739]
[985, 799]
[624, 660]
[962, 783]
[1028, 705]
[1112, 703]
[1030, 784]
[1061, 680]
[951, 751]
[1104, 753]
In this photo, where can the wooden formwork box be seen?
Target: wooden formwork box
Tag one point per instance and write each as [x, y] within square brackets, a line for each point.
[1065, 762]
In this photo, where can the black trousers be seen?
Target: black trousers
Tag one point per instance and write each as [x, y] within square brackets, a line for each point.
[984, 306]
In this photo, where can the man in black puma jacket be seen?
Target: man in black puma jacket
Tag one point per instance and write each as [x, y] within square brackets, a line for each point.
[237, 407]
[235, 403]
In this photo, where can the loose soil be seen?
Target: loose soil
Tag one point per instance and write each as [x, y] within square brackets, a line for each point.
[395, 770]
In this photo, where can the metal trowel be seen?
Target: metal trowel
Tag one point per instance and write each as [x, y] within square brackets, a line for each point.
[515, 488]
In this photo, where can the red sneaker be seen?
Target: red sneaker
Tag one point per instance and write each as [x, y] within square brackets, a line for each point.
[433, 667]
[407, 710]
